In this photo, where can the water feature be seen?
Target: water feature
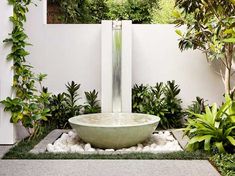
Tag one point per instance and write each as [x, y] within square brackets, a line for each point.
[115, 130]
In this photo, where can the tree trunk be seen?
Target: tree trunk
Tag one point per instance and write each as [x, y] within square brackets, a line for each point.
[227, 75]
[227, 80]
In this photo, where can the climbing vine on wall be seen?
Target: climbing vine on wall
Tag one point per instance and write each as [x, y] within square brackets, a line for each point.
[29, 103]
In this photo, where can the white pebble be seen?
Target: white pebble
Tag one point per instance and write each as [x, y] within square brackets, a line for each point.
[158, 142]
[132, 148]
[109, 150]
[76, 148]
[140, 146]
[91, 150]
[87, 147]
[167, 133]
[170, 138]
[153, 145]
[146, 149]
[50, 148]
[70, 133]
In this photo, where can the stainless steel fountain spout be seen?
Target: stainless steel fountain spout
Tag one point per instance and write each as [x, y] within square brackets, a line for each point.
[117, 60]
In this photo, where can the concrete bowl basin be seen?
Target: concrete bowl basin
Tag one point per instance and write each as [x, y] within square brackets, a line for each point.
[114, 130]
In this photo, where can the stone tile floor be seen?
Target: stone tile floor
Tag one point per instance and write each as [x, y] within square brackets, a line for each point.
[107, 168]
[4, 149]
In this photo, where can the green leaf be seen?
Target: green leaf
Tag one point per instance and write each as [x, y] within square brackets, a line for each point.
[220, 147]
[199, 138]
[207, 144]
[231, 140]
[232, 1]
[229, 40]
[228, 131]
[179, 32]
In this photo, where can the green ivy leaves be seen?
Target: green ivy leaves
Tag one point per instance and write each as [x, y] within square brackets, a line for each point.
[29, 106]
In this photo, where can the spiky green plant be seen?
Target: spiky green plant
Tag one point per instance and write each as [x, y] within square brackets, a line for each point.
[71, 98]
[213, 130]
[92, 105]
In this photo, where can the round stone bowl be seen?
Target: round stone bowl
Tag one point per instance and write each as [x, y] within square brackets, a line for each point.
[114, 130]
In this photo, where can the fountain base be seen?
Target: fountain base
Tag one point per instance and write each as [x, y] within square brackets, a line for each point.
[114, 130]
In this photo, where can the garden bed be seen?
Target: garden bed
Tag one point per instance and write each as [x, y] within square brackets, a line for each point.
[69, 142]
[22, 151]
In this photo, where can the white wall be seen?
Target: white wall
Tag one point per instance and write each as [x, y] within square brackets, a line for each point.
[73, 52]
[64, 52]
[6, 75]
[156, 57]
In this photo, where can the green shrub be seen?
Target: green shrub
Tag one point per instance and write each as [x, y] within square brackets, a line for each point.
[98, 10]
[214, 130]
[197, 107]
[164, 14]
[139, 11]
[64, 106]
[58, 111]
[225, 163]
[93, 11]
[160, 100]
[92, 104]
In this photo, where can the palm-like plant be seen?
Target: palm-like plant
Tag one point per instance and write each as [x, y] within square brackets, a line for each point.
[71, 98]
[214, 129]
[173, 105]
[92, 105]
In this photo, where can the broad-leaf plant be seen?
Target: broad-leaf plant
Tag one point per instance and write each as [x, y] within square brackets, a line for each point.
[214, 130]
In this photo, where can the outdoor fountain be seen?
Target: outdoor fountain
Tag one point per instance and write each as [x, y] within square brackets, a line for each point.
[115, 130]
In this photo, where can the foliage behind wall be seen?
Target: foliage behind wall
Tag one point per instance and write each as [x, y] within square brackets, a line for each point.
[93, 11]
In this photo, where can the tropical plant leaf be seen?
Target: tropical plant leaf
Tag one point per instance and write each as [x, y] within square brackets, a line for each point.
[231, 140]
[220, 147]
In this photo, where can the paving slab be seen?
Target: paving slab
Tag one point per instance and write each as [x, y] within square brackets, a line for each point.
[50, 138]
[4, 149]
[107, 168]
[179, 135]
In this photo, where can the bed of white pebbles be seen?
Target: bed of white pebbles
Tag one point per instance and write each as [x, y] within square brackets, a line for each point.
[71, 143]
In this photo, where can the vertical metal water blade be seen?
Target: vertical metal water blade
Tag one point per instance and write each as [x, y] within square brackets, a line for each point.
[116, 60]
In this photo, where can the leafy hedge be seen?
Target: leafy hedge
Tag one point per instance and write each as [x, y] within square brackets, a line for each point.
[93, 11]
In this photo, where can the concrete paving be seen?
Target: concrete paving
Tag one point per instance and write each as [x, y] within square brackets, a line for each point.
[107, 168]
[179, 135]
[4, 149]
